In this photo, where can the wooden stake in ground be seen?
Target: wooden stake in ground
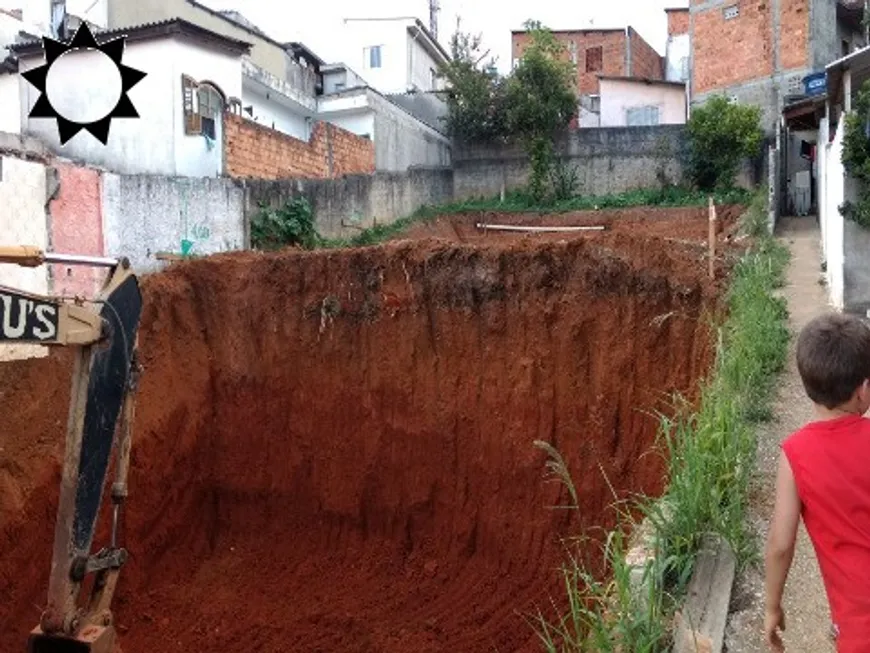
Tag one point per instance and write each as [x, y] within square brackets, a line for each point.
[712, 239]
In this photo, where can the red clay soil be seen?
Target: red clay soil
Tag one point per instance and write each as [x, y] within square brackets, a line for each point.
[678, 224]
[334, 450]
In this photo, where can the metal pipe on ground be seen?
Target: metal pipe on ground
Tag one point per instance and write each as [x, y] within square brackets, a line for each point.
[554, 229]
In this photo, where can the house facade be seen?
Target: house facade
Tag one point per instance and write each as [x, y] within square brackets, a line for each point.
[760, 53]
[596, 53]
[394, 55]
[633, 102]
[193, 75]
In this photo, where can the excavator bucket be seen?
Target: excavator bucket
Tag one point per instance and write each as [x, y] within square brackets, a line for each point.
[92, 639]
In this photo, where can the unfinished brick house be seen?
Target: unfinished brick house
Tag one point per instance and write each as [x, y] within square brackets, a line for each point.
[597, 52]
[760, 51]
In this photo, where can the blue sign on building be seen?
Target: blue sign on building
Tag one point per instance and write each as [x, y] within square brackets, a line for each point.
[816, 84]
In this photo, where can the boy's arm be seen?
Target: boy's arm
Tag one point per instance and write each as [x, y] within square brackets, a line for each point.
[780, 550]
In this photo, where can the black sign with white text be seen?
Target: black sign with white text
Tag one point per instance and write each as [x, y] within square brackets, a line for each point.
[25, 318]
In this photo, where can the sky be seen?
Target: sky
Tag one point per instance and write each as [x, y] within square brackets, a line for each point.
[317, 23]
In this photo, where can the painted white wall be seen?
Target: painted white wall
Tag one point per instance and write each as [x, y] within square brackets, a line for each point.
[677, 53]
[361, 124]
[143, 145]
[404, 60]
[832, 220]
[617, 96]
[392, 76]
[23, 222]
[10, 103]
[422, 64]
[352, 112]
[194, 157]
[35, 15]
[272, 114]
[341, 78]
[95, 11]
[155, 143]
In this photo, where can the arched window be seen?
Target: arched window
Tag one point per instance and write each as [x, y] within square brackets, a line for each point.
[211, 104]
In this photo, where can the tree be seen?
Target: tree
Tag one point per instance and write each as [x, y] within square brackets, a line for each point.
[721, 135]
[540, 100]
[475, 92]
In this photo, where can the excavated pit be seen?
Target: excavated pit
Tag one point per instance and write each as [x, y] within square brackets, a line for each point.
[334, 450]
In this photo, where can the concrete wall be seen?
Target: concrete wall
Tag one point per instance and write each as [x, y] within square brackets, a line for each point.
[342, 207]
[856, 270]
[608, 160]
[402, 141]
[423, 66]
[618, 96]
[144, 215]
[23, 222]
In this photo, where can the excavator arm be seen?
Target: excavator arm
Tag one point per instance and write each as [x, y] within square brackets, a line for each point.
[104, 332]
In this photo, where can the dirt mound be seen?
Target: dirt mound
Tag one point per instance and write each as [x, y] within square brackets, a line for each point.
[334, 450]
[680, 224]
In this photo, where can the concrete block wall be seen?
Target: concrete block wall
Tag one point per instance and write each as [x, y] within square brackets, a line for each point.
[343, 207]
[23, 221]
[608, 160]
[254, 151]
[145, 215]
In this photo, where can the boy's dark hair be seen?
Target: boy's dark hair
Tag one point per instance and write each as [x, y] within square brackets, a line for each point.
[833, 358]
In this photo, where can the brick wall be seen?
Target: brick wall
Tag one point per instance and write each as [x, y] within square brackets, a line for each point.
[611, 42]
[256, 151]
[729, 52]
[678, 21]
[794, 26]
[645, 61]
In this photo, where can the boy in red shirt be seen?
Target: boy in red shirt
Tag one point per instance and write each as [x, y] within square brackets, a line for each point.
[824, 478]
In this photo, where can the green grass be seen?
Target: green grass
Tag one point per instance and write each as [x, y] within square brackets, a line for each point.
[710, 448]
[521, 202]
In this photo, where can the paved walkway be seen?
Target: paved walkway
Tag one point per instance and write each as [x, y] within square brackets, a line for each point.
[805, 605]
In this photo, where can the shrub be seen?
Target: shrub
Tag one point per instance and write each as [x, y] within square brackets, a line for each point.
[292, 224]
[721, 135]
[856, 157]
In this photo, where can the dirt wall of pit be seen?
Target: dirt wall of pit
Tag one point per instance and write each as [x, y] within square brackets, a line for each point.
[334, 450]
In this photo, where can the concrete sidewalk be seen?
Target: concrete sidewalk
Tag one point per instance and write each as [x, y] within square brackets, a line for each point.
[806, 609]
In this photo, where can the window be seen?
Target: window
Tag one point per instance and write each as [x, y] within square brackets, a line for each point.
[210, 109]
[642, 116]
[594, 59]
[731, 12]
[372, 56]
[433, 79]
[572, 48]
[595, 103]
[203, 106]
[845, 47]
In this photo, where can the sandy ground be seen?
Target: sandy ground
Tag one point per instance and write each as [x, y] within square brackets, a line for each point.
[805, 604]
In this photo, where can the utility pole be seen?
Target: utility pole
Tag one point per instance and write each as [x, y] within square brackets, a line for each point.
[434, 8]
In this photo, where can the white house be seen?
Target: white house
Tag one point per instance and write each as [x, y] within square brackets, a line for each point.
[635, 102]
[191, 74]
[845, 245]
[394, 55]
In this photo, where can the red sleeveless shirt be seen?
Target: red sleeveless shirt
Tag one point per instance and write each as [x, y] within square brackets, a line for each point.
[830, 461]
